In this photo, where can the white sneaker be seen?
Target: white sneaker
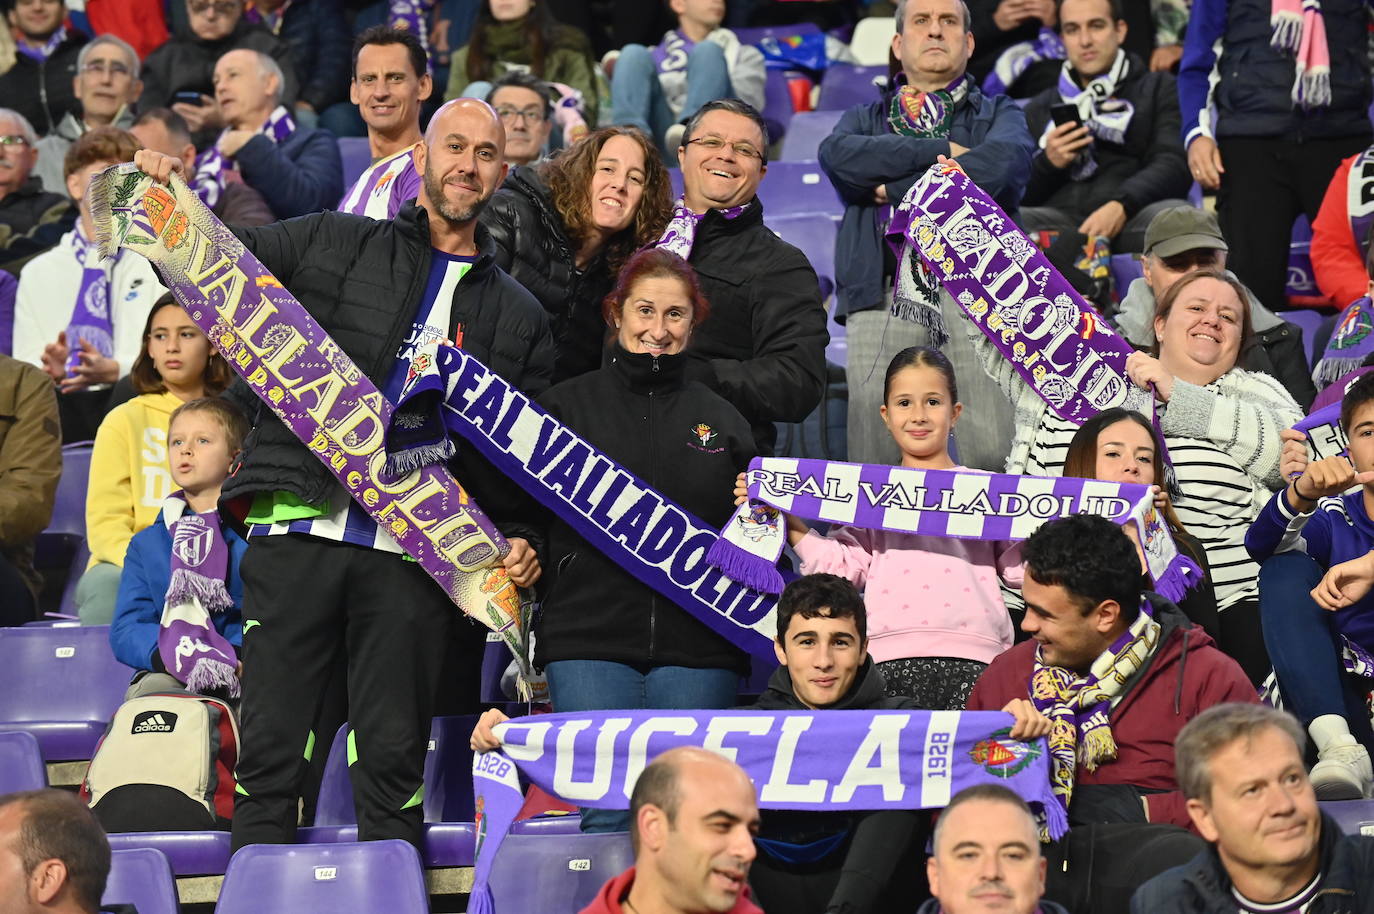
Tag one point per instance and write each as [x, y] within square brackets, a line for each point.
[672, 138]
[1343, 773]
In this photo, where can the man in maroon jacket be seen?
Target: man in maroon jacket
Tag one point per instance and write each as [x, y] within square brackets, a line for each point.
[1130, 679]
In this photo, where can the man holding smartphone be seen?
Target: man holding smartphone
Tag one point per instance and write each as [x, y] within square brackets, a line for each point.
[1110, 157]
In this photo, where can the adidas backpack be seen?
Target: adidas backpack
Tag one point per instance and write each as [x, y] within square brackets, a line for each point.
[165, 763]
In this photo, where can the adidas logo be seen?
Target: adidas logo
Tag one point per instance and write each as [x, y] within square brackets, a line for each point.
[154, 722]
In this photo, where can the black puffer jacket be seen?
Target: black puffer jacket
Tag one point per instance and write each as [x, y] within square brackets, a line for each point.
[763, 346]
[532, 245]
[642, 416]
[31, 221]
[1147, 167]
[363, 279]
[44, 92]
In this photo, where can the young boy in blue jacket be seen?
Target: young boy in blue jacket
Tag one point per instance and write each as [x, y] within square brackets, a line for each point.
[1314, 544]
[202, 438]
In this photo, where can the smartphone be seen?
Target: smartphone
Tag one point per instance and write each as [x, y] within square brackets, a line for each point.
[1065, 114]
[195, 98]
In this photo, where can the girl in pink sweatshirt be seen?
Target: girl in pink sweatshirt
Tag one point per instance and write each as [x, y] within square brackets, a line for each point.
[935, 611]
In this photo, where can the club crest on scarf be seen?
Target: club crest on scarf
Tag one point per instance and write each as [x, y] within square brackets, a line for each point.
[1002, 756]
[192, 540]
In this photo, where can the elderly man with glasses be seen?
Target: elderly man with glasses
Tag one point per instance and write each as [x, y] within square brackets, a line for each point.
[31, 219]
[180, 74]
[525, 105]
[39, 85]
[106, 86]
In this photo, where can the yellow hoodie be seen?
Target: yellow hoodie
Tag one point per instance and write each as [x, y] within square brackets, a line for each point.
[129, 474]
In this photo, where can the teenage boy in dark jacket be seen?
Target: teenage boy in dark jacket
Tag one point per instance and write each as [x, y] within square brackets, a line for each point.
[41, 83]
[763, 348]
[1241, 768]
[1109, 172]
[874, 156]
[331, 583]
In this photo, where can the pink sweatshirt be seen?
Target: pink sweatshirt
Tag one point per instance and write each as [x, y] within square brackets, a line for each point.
[927, 596]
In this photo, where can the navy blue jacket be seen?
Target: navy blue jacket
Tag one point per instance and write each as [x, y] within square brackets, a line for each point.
[143, 585]
[863, 152]
[321, 48]
[1202, 886]
[301, 175]
[1254, 95]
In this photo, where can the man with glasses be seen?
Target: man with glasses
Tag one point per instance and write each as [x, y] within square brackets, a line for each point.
[106, 85]
[390, 80]
[39, 85]
[31, 219]
[763, 347]
[180, 74]
[526, 108]
[875, 154]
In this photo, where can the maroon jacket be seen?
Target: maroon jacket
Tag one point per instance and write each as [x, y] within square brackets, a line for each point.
[1186, 675]
[608, 900]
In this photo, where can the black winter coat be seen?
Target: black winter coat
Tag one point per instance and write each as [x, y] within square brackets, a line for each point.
[31, 221]
[878, 843]
[1202, 885]
[532, 245]
[1148, 167]
[642, 417]
[44, 92]
[763, 346]
[321, 48]
[362, 280]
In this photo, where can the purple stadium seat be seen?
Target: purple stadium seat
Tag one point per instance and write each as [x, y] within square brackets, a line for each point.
[141, 877]
[571, 869]
[1308, 320]
[21, 763]
[845, 85]
[356, 155]
[67, 529]
[792, 188]
[777, 104]
[359, 878]
[758, 34]
[62, 684]
[1355, 817]
[495, 659]
[805, 133]
[1125, 269]
[189, 853]
[816, 239]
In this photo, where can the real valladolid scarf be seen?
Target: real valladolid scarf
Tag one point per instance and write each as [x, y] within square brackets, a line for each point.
[1106, 117]
[211, 166]
[91, 323]
[448, 392]
[824, 762]
[1300, 32]
[191, 648]
[963, 504]
[1359, 199]
[312, 385]
[681, 233]
[1351, 343]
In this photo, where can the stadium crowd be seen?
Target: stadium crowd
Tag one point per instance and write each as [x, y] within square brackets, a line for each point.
[570, 192]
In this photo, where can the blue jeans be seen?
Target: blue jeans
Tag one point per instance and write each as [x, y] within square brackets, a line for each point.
[1305, 646]
[603, 685]
[637, 97]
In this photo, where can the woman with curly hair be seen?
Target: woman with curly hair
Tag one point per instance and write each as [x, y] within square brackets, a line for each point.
[564, 227]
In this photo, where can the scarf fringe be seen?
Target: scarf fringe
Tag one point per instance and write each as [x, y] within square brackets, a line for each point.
[187, 584]
[1182, 575]
[210, 675]
[1331, 369]
[1312, 88]
[1096, 747]
[102, 210]
[407, 460]
[1056, 818]
[918, 312]
[744, 567]
[1287, 31]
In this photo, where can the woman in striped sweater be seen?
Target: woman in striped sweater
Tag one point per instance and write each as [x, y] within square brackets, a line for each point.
[1221, 425]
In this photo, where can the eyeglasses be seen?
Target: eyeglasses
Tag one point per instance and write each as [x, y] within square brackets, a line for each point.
[531, 115]
[113, 67]
[221, 7]
[14, 139]
[716, 144]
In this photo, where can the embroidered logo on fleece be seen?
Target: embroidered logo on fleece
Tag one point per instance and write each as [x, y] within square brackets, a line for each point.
[704, 435]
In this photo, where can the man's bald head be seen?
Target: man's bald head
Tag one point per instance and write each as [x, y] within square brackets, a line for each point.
[465, 112]
[462, 161]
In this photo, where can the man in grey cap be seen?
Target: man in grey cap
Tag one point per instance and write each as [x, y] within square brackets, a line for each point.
[1182, 239]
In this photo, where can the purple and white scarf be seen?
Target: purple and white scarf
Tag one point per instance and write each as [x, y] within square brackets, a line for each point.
[820, 761]
[1300, 32]
[1359, 199]
[411, 16]
[1106, 117]
[1351, 343]
[42, 52]
[1079, 707]
[671, 53]
[1325, 435]
[927, 115]
[1019, 58]
[190, 646]
[258, 16]
[681, 232]
[967, 504]
[211, 165]
[91, 322]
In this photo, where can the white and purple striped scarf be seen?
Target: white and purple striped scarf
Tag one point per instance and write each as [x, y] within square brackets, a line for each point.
[42, 52]
[681, 232]
[191, 648]
[90, 323]
[1106, 117]
[208, 181]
